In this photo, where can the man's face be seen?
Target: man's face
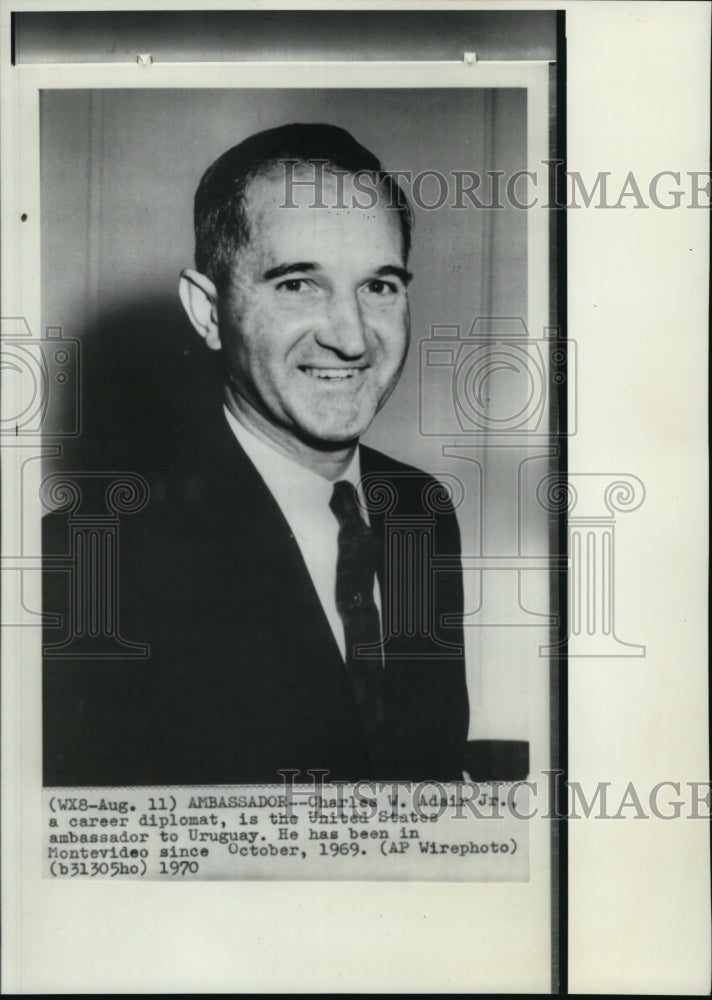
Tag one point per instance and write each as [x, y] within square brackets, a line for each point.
[315, 322]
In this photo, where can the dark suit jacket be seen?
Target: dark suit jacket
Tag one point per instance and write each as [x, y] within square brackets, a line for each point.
[244, 677]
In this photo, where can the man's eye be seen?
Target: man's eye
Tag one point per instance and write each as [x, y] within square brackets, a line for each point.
[293, 285]
[379, 287]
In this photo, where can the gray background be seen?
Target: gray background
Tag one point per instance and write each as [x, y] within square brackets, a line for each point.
[256, 35]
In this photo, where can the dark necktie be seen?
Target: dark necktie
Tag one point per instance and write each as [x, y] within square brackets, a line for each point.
[355, 573]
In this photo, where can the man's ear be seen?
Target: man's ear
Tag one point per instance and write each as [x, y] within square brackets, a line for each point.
[200, 300]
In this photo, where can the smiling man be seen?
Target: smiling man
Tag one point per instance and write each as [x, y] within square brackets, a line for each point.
[292, 624]
[312, 317]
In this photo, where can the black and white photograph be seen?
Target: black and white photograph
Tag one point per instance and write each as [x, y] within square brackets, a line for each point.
[238, 589]
[222, 651]
[315, 555]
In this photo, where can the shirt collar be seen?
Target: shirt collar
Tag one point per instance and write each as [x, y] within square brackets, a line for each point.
[300, 493]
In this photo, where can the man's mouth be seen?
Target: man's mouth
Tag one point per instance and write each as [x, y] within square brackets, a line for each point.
[331, 373]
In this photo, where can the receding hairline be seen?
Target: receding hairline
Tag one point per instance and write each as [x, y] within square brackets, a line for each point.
[221, 200]
[275, 170]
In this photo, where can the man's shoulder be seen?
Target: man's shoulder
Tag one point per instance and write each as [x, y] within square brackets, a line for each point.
[397, 488]
[375, 462]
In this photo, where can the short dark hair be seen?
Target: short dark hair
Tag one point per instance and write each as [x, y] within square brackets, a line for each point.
[221, 225]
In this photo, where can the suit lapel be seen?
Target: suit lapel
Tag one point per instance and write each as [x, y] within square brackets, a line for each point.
[250, 502]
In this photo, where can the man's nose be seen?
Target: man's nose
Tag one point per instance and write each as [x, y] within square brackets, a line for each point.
[343, 327]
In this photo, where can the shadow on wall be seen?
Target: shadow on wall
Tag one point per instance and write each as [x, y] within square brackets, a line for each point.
[145, 376]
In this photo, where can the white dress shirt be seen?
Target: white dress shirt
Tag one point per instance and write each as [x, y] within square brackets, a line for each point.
[303, 497]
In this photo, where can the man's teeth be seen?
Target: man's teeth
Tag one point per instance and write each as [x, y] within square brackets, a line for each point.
[325, 373]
